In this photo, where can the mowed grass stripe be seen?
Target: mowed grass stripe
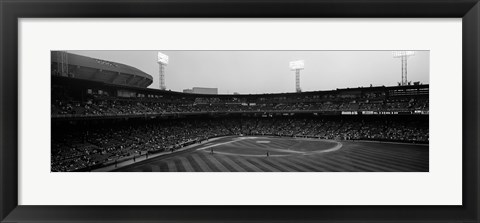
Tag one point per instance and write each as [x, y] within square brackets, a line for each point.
[384, 157]
[221, 159]
[397, 151]
[260, 165]
[293, 167]
[409, 157]
[318, 167]
[301, 161]
[148, 168]
[343, 157]
[274, 162]
[231, 163]
[264, 166]
[354, 167]
[362, 166]
[143, 168]
[205, 167]
[171, 166]
[204, 158]
[398, 161]
[296, 165]
[376, 167]
[186, 164]
[245, 165]
[347, 165]
[407, 148]
[326, 166]
[195, 165]
[277, 165]
[155, 168]
[379, 161]
[218, 165]
[179, 166]
[405, 155]
[163, 166]
[337, 163]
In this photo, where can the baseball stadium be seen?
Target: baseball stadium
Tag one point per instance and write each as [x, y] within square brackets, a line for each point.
[105, 118]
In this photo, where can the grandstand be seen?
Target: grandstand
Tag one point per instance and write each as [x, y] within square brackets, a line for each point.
[121, 125]
[89, 99]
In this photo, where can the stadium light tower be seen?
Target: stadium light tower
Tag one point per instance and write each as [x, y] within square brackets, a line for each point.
[297, 66]
[62, 64]
[403, 55]
[162, 62]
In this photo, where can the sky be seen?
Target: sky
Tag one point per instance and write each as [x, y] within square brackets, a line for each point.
[255, 72]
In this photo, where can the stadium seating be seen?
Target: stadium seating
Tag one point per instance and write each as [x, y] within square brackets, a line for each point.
[96, 124]
[78, 147]
[135, 107]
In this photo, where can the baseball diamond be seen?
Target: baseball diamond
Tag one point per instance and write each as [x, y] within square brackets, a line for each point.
[106, 116]
[249, 154]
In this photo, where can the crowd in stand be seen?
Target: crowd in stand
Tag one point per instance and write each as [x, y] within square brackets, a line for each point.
[83, 146]
[136, 107]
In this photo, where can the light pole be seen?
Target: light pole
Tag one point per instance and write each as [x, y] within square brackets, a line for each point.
[403, 55]
[162, 62]
[297, 66]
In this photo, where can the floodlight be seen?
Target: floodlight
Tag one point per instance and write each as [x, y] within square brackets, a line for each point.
[297, 65]
[403, 55]
[398, 54]
[162, 62]
[162, 58]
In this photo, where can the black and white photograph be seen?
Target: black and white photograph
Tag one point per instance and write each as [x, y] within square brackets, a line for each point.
[240, 111]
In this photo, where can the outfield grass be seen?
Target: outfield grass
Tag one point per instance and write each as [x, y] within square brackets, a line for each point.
[249, 154]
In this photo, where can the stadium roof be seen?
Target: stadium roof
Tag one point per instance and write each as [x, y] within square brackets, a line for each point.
[88, 68]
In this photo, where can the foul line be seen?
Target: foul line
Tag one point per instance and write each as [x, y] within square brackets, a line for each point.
[218, 144]
[335, 148]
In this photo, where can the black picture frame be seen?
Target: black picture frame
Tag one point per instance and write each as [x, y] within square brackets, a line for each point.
[12, 10]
